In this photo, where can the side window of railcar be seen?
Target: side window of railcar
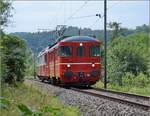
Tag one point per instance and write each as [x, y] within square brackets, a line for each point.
[95, 51]
[46, 58]
[40, 62]
[80, 51]
[65, 51]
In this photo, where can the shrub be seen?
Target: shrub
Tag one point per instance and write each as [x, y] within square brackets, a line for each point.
[141, 80]
[13, 51]
[128, 79]
[127, 54]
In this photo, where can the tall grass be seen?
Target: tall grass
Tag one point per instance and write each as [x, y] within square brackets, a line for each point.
[26, 100]
[126, 88]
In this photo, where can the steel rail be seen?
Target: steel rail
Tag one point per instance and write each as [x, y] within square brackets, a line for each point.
[112, 98]
[124, 101]
[123, 93]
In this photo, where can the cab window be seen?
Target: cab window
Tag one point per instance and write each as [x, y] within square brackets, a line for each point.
[46, 58]
[80, 51]
[65, 51]
[95, 51]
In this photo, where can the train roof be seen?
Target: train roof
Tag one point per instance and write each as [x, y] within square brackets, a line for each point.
[70, 39]
[79, 38]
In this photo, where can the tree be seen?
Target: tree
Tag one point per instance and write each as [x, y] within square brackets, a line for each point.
[13, 50]
[115, 27]
[5, 7]
[144, 28]
[128, 54]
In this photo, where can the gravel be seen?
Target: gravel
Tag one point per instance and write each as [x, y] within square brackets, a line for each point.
[90, 105]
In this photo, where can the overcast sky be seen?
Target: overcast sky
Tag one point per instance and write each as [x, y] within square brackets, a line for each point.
[28, 16]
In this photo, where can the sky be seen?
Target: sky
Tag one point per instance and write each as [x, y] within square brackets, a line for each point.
[29, 16]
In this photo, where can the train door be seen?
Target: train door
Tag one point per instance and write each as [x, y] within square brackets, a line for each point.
[51, 64]
[46, 65]
[54, 63]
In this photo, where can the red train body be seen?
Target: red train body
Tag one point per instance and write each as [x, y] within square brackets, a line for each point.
[73, 60]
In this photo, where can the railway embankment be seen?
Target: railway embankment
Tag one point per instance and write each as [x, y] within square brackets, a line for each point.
[90, 105]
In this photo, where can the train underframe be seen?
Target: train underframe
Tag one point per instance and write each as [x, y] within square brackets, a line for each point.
[58, 81]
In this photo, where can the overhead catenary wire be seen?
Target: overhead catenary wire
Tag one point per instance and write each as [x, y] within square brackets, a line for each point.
[113, 5]
[80, 17]
[54, 17]
[103, 14]
[86, 16]
[93, 23]
[77, 10]
[53, 20]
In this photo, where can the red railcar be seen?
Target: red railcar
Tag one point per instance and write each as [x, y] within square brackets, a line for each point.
[73, 60]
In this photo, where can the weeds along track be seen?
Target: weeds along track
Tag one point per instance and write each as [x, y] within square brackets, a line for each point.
[134, 100]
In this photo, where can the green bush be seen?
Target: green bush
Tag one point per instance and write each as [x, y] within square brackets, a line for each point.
[127, 54]
[27, 100]
[13, 59]
[128, 79]
[141, 80]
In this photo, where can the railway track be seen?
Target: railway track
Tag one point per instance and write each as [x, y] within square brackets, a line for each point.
[140, 98]
[134, 100]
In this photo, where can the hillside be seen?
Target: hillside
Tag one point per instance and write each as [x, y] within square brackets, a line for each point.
[39, 40]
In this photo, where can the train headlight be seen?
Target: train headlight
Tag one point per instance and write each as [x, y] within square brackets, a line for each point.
[68, 65]
[93, 65]
[81, 44]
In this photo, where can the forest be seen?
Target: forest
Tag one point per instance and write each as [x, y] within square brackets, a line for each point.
[39, 40]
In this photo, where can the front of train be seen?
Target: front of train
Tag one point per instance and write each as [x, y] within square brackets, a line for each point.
[80, 60]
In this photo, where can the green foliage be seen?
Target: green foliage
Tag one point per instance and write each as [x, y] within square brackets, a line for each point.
[5, 7]
[141, 91]
[99, 84]
[133, 88]
[142, 29]
[48, 109]
[26, 100]
[116, 28]
[141, 80]
[25, 110]
[128, 63]
[128, 79]
[30, 63]
[128, 54]
[13, 50]
[39, 40]
[4, 103]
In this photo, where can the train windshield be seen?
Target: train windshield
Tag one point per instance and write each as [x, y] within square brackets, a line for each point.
[80, 51]
[65, 51]
[95, 51]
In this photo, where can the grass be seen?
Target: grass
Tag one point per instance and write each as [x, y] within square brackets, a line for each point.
[27, 100]
[131, 89]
